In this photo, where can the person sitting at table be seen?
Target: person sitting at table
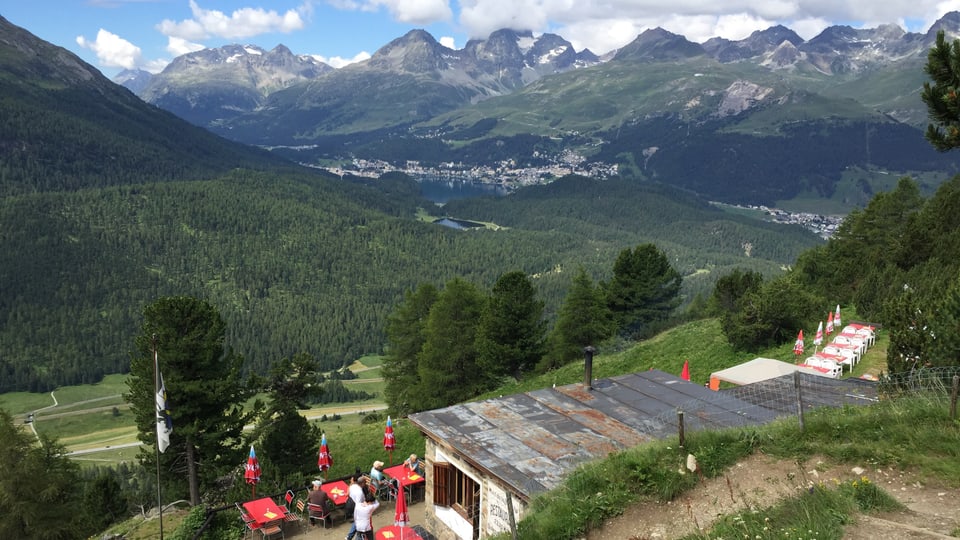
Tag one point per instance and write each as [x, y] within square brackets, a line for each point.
[319, 502]
[414, 464]
[377, 478]
[363, 517]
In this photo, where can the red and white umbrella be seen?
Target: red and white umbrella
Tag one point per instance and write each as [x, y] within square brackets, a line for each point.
[685, 372]
[324, 459]
[389, 441]
[836, 317]
[819, 337]
[798, 346]
[830, 323]
[401, 517]
[251, 472]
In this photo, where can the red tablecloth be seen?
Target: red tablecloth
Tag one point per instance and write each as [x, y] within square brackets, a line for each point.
[264, 510]
[337, 491]
[392, 532]
[404, 475]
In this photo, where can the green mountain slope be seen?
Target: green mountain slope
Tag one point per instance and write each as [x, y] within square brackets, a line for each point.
[107, 204]
[65, 126]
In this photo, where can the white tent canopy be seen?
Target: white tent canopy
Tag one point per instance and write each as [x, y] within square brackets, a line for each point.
[756, 370]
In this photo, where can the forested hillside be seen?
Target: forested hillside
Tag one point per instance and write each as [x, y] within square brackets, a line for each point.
[300, 263]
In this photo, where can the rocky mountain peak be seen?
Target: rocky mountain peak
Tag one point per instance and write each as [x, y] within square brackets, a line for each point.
[949, 23]
[656, 45]
[416, 51]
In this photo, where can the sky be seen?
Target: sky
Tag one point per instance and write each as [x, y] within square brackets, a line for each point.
[113, 35]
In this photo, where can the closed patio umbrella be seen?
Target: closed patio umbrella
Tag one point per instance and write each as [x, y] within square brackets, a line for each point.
[401, 517]
[252, 470]
[324, 459]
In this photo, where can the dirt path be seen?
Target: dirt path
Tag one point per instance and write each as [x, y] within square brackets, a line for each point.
[759, 482]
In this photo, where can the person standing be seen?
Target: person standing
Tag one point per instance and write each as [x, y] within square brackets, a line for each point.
[357, 493]
[363, 517]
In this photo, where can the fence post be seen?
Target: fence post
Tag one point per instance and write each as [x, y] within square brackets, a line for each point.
[680, 426]
[513, 519]
[796, 386]
[953, 397]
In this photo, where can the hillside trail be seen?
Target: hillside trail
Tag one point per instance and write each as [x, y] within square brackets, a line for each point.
[760, 481]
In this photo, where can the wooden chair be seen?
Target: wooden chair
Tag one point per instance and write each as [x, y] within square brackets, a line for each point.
[272, 529]
[295, 515]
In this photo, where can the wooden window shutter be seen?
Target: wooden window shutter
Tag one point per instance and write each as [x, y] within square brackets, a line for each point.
[442, 484]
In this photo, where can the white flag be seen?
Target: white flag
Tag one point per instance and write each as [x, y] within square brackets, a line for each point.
[164, 423]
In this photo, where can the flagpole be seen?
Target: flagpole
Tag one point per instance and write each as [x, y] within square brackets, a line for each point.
[156, 447]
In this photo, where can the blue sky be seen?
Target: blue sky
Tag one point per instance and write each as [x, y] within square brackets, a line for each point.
[116, 34]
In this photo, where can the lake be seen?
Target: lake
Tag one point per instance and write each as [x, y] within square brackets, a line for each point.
[441, 190]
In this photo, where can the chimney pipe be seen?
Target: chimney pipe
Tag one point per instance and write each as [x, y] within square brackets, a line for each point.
[588, 366]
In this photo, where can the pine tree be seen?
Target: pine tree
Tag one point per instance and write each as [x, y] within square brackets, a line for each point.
[510, 339]
[406, 329]
[285, 436]
[39, 495]
[448, 368]
[941, 98]
[204, 389]
[644, 289]
[584, 319]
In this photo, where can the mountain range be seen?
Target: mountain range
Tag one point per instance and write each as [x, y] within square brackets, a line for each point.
[768, 119]
[108, 203]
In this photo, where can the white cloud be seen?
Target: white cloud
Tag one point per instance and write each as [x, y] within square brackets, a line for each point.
[155, 66]
[179, 46]
[416, 11]
[339, 62]
[419, 12]
[242, 23]
[112, 50]
[448, 42]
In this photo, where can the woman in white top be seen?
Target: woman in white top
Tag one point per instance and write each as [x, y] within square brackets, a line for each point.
[363, 517]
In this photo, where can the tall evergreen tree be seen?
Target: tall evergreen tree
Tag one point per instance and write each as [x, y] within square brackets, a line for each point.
[39, 497]
[944, 343]
[909, 332]
[510, 339]
[406, 330]
[644, 289]
[204, 389]
[448, 368]
[285, 436]
[941, 98]
[732, 287]
[584, 319]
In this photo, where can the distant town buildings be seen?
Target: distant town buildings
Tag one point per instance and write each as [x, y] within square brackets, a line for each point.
[507, 174]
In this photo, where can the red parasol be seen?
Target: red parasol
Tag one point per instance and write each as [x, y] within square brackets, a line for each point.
[252, 471]
[401, 517]
[685, 373]
[389, 442]
[324, 460]
[830, 323]
[798, 346]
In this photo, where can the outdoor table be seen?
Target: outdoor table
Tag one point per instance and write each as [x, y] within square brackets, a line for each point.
[393, 532]
[405, 476]
[337, 491]
[264, 510]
